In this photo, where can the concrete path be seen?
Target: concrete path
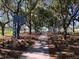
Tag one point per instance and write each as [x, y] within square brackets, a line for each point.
[38, 51]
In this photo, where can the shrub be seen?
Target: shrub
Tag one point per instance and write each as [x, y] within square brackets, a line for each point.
[16, 44]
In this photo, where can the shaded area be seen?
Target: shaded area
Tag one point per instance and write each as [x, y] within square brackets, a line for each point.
[40, 47]
[9, 54]
[64, 49]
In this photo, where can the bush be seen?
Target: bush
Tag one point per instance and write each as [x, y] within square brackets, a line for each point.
[16, 44]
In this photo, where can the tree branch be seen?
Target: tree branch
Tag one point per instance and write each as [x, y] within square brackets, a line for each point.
[18, 6]
[7, 6]
[72, 17]
[8, 19]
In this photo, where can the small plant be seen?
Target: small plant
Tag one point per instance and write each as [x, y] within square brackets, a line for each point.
[30, 42]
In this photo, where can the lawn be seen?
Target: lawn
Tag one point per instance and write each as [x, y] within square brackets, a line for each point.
[8, 31]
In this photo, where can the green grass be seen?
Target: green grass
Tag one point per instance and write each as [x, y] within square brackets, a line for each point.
[8, 31]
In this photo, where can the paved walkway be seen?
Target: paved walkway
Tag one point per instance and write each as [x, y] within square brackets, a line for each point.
[38, 51]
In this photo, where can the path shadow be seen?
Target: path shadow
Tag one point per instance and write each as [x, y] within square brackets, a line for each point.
[39, 50]
[22, 57]
[9, 54]
[40, 47]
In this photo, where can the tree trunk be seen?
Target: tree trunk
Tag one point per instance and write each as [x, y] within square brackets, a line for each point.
[73, 26]
[18, 31]
[65, 33]
[36, 30]
[54, 30]
[59, 30]
[65, 28]
[2, 29]
[30, 31]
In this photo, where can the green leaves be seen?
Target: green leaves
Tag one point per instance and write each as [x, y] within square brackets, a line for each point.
[69, 2]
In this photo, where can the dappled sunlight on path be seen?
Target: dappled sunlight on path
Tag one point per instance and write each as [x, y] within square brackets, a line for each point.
[38, 51]
[35, 56]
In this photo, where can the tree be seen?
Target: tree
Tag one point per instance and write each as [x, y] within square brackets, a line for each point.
[62, 11]
[39, 18]
[42, 16]
[14, 7]
[31, 5]
[4, 20]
